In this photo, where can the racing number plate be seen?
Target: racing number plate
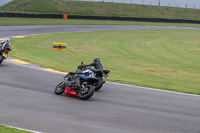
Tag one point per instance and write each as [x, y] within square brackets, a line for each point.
[5, 55]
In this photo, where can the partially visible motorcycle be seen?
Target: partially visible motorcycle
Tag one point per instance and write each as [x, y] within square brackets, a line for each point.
[78, 84]
[99, 74]
[4, 54]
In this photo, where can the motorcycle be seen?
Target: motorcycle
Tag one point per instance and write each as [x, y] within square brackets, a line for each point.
[78, 84]
[4, 54]
[99, 74]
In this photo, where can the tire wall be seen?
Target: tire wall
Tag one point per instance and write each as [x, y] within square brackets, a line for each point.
[60, 16]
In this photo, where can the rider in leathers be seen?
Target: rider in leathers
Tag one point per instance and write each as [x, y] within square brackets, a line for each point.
[97, 64]
[5, 44]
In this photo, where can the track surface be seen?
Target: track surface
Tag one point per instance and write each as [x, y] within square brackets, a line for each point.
[6, 31]
[27, 99]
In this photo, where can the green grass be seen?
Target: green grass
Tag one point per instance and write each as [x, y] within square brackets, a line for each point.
[39, 21]
[4, 129]
[163, 59]
[100, 9]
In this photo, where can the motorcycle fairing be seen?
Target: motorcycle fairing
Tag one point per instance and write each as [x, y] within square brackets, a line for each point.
[70, 92]
[5, 55]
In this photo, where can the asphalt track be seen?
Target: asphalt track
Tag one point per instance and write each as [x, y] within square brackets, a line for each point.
[27, 99]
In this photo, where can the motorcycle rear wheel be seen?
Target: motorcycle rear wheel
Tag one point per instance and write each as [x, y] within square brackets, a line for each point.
[84, 95]
[99, 84]
[60, 88]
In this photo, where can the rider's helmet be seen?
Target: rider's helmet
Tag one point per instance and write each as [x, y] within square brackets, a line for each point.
[96, 59]
[7, 40]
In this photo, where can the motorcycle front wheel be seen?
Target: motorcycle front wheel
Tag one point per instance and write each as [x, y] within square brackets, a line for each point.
[1, 59]
[60, 88]
[87, 93]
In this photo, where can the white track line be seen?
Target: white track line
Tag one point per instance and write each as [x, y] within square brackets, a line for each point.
[146, 88]
[21, 129]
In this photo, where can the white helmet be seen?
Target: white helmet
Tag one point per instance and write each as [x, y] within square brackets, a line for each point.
[7, 40]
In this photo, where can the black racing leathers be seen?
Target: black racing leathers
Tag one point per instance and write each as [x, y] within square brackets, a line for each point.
[97, 65]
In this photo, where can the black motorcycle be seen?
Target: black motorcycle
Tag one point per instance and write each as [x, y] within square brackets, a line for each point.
[77, 84]
[99, 74]
[4, 54]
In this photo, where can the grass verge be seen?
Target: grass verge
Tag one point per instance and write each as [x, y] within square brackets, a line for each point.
[4, 21]
[164, 59]
[4, 129]
[101, 9]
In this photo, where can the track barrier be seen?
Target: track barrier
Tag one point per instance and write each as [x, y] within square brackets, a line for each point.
[66, 16]
[59, 46]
